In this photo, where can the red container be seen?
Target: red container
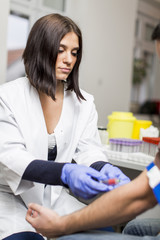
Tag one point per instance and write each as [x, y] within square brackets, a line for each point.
[150, 145]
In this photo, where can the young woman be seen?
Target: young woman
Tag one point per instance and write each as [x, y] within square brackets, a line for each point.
[45, 116]
[114, 208]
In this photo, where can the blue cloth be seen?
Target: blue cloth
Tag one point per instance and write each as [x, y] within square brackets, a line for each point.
[101, 235]
[109, 229]
[143, 227]
[156, 188]
[150, 166]
[24, 236]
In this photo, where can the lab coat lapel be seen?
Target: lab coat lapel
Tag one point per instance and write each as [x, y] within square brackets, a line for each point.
[35, 134]
[31, 122]
[38, 126]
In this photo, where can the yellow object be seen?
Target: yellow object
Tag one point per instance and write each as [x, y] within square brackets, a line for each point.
[140, 124]
[120, 125]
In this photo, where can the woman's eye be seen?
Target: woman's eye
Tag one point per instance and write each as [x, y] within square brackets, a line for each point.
[75, 54]
[60, 51]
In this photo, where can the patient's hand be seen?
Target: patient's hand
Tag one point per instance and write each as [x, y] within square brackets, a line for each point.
[45, 221]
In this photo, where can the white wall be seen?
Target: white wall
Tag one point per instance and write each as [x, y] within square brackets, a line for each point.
[108, 33]
[4, 11]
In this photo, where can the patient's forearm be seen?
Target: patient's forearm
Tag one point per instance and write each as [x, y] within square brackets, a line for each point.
[117, 206]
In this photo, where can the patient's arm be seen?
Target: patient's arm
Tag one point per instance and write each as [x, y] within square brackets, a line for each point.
[117, 206]
[114, 207]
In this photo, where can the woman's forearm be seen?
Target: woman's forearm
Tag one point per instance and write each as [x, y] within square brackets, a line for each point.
[117, 206]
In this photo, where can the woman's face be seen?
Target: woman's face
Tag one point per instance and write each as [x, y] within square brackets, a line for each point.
[67, 55]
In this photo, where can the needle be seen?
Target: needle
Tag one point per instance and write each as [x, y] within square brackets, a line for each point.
[111, 181]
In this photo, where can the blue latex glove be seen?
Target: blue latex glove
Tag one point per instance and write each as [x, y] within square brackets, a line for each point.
[114, 172]
[80, 180]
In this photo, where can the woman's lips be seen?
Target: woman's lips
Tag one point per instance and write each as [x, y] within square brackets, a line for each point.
[65, 70]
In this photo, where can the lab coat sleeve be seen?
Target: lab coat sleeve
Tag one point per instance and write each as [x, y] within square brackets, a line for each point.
[14, 157]
[90, 149]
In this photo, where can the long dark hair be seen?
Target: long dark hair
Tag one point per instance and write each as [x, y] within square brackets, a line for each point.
[156, 33]
[41, 52]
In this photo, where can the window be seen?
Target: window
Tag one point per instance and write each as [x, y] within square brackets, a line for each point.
[17, 37]
[136, 28]
[148, 32]
[55, 4]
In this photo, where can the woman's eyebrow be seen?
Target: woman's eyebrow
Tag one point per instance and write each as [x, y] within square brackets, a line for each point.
[76, 48]
[64, 46]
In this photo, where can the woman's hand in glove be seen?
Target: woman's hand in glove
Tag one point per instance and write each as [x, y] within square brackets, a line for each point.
[80, 180]
[110, 172]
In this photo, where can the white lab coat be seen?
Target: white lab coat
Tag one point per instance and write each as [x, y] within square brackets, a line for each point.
[23, 138]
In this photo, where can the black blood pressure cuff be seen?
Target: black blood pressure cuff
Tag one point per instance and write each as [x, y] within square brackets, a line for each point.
[153, 174]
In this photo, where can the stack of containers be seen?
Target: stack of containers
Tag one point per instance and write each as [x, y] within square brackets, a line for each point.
[150, 145]
[138, 125]
[125, 145]
[120, 125]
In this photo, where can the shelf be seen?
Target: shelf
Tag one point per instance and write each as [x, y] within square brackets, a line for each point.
[137, 161]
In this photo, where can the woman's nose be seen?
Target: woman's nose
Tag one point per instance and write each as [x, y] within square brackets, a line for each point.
[68, 58]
